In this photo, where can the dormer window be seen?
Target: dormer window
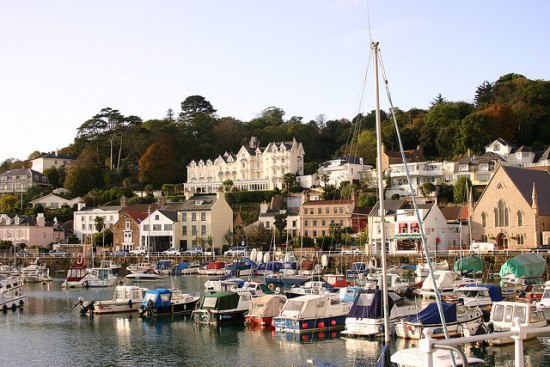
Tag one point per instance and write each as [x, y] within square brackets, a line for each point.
[463, 168]
[496, 147]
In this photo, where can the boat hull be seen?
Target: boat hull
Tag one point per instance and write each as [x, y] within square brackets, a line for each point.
[309, 325]
[107, 307]
[258, 320]
[214, 317]
[173, 309]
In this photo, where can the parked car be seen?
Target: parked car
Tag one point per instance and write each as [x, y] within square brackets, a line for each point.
[23, 253]
[172, 251]
[195, 251]
[351, 251]
[120, 253]
[237, 251]
[139, 251]
[541, 248]
[59, 253]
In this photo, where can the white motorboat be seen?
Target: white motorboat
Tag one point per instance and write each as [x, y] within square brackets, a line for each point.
[115, 267]
[134, 268]
[482, 296]
[446, 282]
[163, 301]
[502, 319]
[35, 273]
[81, 277]
[9, 271]
[312, 313]
[544, 303]
[395, 282]
[11, 293]
[145, 275]
[366, 316]
[414, 357]
[422, 270]
[457, 317]
[126, 298]
[264, 309]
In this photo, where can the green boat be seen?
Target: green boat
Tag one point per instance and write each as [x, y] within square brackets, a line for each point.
[524, 267]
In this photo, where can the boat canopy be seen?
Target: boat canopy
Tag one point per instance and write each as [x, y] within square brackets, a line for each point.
[308, 265]
[526, 265]
[272, 266]
[359, 266]
[216, 265]
[369, 304]
[160, 297]
[182, 266]
[430, 315]
[270, 305]
[469, 265]
[494, 291]
[220, 301]
[408, 266]
[164, 264]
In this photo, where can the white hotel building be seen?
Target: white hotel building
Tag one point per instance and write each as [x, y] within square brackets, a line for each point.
[252, 168]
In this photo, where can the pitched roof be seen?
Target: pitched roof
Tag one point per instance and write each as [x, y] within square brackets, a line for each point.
[328, 202]
[202, 202]
[524, 179]
[170, 214]
[390, 206]
[452, 212]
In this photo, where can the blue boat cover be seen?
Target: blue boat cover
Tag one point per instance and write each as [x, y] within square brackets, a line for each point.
[158, 299]
[182, 266]
[369, 304]
[412, 267]
[494, 291]
[272, 265]
[430, 315]
[164, 264]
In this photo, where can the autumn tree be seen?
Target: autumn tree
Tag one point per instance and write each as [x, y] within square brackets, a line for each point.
[157, 165]
[504, 121]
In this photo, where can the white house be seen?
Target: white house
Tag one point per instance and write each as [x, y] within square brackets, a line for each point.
[84, 219]
[252, 168]
[47, 161]
[53, 201]
[158, 232]
[342, 169]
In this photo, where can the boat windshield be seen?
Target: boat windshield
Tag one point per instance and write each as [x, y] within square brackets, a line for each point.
[294, 305]
[498, 313]
[546, 294]
[520, 312]
[469, 293]
[365, 299]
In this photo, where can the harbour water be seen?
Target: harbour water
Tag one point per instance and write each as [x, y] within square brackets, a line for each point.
[49, 332]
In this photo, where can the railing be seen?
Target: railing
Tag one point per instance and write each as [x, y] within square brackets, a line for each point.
[518, 333]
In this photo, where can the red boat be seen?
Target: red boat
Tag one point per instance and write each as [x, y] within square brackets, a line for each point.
[216, 268]
[336, 280]
[263, 309]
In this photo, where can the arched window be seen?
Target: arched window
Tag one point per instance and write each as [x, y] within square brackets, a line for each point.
[506, 217]
[501, 213]
[520, 218]
[484, 219]
[496, 217]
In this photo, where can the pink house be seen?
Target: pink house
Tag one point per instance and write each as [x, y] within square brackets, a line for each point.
[30, 231]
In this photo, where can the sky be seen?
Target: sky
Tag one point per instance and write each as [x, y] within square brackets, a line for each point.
[62, 61]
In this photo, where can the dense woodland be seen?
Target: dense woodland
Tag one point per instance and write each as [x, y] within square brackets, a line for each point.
[116, 150]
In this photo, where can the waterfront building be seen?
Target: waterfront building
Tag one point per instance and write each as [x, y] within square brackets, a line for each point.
[19, 180]
[53, 201]
[84, 219]
[317, 217]
[159, 230]
[47, 161]
[392, 157]
[341, 169]
[202, 220]
[252, 168]
[126, 231]
[419, 172]
[31, 231]
[513, 212]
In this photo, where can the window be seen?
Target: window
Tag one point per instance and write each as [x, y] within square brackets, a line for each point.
[520, 312]
[335, 210]
[184, 230]
[184, 217]
[145, 227]
[203, 216]
[520, 219]
[319, 210]
[484, 219]
[127, 224]
[484, 166]
[496, 217]
[323, 223]
[168, 227]
[312, 211]
[306, 223]
[508, 313]
[193, 230]
[314, 233]
[157, 217]
[194, 217]
[463, 168]
[157, 227]
[341, 210]
[327, 210]
[203, 230]
[83, 226]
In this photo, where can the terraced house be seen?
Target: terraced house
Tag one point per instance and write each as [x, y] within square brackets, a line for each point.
[252, 168]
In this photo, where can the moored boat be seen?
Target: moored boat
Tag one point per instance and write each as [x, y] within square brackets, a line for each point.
[163, 301]
[263, 309]
[366, 316]
[456, 318]
[126, 298]
[145, 275]
[312, 313]
[11, 293]
[222, 307]
[446, 281]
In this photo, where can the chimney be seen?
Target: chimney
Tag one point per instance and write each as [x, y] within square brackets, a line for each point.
[469, 152]
[123, 201]
[40, 220]
[263, 207]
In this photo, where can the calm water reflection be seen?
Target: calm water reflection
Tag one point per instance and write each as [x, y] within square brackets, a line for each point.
[48, 331]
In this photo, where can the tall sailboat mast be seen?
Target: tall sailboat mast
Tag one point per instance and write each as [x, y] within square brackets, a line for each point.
[374, 46]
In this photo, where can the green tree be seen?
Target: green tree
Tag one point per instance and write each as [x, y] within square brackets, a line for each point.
[459, 191]
[79, 181]
[280, 224]
[8, 203]
[427, 188]
[193, 106]
[473, 133]
[289, 179]
[53, 176]
[227, 184]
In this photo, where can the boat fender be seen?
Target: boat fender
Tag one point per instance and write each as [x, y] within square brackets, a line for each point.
[304, 325]
[333, 322]
[5, 307]
[271, 286]
[130, 303]
[14, 306]
[21, 302]
[79, 259]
